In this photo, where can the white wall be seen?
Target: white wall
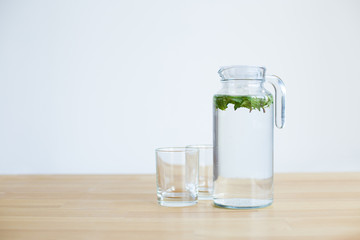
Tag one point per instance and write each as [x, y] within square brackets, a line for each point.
[96, 86]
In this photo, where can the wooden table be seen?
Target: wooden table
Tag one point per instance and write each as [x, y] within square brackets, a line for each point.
[121, 207]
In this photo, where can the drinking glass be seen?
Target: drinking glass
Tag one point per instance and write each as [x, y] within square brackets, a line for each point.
[205, 170]
[177, 176]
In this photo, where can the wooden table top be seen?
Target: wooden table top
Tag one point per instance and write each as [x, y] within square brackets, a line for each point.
[121, 207]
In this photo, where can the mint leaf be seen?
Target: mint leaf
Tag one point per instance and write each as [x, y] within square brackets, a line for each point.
[249, 102]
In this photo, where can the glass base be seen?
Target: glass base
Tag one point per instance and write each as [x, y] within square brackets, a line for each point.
[177, 199]
[203, 196]
[176, 203]
[242, 203]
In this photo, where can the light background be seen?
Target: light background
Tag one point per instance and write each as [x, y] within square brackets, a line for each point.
[96, 86]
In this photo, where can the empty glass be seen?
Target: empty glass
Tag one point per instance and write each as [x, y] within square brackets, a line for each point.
[205, 170]
[177, 176]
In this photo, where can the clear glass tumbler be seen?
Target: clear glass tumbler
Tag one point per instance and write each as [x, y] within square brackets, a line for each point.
[177, 176]
[205, 170]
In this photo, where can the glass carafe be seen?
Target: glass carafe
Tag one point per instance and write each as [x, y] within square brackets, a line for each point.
[243, 136]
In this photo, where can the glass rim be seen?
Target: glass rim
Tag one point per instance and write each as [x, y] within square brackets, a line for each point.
[201, 146]
[247, 67]
[174, 149]
[242, 72]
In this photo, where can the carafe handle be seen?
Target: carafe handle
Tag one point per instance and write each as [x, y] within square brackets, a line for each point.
[279, 100]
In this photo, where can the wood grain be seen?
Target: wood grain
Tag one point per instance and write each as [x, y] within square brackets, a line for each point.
[306, 206]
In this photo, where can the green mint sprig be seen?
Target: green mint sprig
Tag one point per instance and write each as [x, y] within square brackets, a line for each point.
[249, 102]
